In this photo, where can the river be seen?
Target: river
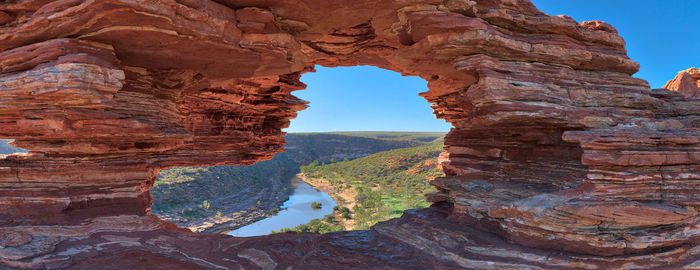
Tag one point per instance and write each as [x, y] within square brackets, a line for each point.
[298, 211]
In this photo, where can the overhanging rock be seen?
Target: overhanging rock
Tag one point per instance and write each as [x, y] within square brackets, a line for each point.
[558, 158]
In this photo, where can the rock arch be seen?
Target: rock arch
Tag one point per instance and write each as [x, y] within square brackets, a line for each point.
[558, 157]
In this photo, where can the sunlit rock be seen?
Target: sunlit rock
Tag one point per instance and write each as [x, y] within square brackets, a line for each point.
[559, 158]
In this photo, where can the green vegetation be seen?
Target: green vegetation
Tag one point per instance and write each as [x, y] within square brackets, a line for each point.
[343, 211]
[385, 184]
[328, 224]
[179, 193]
[205, 204]
[316, 205]
[314, 226]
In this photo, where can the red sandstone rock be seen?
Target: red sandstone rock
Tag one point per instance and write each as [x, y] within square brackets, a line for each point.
[687, 82]
[9, 238]
[4, 17]
[558, 157]
[599, 25]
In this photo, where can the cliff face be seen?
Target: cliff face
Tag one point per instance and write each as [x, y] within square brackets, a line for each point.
[558, 157]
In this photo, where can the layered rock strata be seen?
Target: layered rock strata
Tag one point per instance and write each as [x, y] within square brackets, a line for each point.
[558, 158]
[687, 82]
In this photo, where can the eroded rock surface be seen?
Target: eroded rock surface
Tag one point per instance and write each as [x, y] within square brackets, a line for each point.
[558, 157]
[687, 82]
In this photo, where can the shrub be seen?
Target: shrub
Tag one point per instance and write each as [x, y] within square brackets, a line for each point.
[206, 204]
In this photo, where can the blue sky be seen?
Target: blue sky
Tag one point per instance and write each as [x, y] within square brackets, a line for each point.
[364, 98]
[661, 36]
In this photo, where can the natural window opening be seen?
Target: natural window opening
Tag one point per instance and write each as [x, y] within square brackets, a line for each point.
[363, 153]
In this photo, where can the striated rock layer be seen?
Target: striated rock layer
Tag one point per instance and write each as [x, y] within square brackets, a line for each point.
[687, 82]
[558, 158]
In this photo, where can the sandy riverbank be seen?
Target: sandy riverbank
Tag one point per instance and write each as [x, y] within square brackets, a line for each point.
[345, 198]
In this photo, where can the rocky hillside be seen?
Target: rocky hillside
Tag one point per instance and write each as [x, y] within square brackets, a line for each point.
[374, 188]
[220, 198]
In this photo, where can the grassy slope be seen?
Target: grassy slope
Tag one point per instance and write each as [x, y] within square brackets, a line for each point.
[386, 184]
